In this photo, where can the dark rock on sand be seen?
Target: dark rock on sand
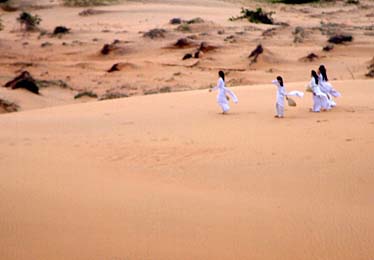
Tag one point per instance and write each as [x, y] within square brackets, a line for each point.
[108, 48]
[61, 30]
[328, 47]
[45, 44]
[340, 38]
[176, 21]
[198, 54]
[187, 56]
[24, 80]
[310, 57]
[115, 67]
[183, 43]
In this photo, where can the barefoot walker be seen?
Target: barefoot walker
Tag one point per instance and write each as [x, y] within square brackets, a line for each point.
[222, 92]
[281, 94]
[320, 100]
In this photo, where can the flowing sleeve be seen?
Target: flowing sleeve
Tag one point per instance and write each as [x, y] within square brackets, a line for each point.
[296, 93]
[232, 95]
[275, 82]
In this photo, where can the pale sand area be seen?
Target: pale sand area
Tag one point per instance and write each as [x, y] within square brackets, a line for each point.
[167, 177]
[150, 64]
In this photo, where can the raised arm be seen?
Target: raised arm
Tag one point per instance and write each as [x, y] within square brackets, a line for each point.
[276, 83]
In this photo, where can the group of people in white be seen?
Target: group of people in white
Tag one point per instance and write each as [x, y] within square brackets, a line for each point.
[323, 93]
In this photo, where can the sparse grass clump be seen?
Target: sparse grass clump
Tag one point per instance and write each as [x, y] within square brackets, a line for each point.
[113, 95]
[89, 2]
[294, 1]
[85, 94]
[8, 6]
[195, 20]
[155, 33]
[184, 27]
[28, 21]
[258, 16]
[8, 106]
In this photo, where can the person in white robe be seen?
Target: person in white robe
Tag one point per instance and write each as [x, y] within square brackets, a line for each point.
[326, 87]
[223, 92]
[320, 99]
[281, 94]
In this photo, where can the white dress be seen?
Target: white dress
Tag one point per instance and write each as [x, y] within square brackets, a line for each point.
[281, 93]
[320, 99]
[221, 97]
[328, 89]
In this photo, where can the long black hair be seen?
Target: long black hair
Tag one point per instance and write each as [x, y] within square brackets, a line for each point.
[323, 72]
[315, 76]
[280, 80]
[222, 75]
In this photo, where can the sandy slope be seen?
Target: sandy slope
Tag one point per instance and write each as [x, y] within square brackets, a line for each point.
[75, 58]
[168, 177]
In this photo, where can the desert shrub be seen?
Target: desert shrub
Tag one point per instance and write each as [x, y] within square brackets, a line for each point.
[85, 94]
[29, 21]
[184, 27]
[299, 34]
[50, 83]
[195, 20]
[113, 95]
[355, 2]
[151, 91]
[258, 16]
[294, 1]
[89, 2]
[8, 106]
[155, 33]
[165, 90]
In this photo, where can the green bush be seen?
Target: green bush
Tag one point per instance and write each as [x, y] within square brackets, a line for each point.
[29, 21]
[258, 16]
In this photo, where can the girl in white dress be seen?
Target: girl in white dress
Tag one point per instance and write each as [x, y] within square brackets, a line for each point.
[223, 91]
[326, 87]
[320, 99]
[281, 94]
